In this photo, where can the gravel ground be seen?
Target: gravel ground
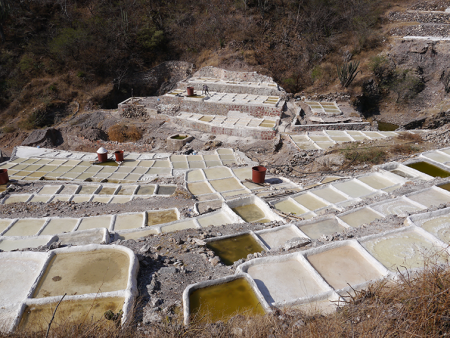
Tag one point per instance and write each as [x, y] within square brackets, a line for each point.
[420, 17]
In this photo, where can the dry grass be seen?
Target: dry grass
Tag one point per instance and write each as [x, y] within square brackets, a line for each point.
[409, 137]
[418, 305]
[123, 133]
[404, 149]
[357, 155]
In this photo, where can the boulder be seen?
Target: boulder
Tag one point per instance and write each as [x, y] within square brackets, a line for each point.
[46, 137]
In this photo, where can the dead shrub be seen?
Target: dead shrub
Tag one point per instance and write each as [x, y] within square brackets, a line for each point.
[122, 133]
[404, 149]
[410, 137]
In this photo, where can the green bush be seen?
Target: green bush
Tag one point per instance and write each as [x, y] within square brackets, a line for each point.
[26, 63]
[150, 38]
[406, 84]
[382, 68]
[70, 43]
[316, 73]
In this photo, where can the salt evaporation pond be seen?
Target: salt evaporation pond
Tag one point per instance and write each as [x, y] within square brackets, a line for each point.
[222, 301]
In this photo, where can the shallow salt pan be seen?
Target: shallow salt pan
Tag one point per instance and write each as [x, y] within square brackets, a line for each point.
[437, 156]
[18, 271]
[17, 199]
[439, 227]
[360, 217]
[90, 272]
[7, 244]
[128, 221]
[376, 181]
[353, 188]
[344, 265]
[36, 317]
[400, 207]
[405, 250]
[182, 225]
[324, 227]
[330, 195]
[278, 236]
[285, 281]
[430, 197]
[310, 201]
[25, 227]
[95, 222]
[288, 206]
[137, 234]
[217, 219]
[4, 223]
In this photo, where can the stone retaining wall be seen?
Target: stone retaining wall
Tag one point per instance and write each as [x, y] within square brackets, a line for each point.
[332, 126]
[255, 133]
[237, 89]
[232, 75]
[216, 108]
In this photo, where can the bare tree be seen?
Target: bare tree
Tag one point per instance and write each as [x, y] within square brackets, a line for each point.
[4, 13]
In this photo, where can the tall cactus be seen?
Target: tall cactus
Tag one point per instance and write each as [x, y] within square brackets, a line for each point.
[347, 72]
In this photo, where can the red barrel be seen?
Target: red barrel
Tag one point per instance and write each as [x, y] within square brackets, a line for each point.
[102, 155]
[4, 178]
[190, 91]
[259, 174]
[119, 155]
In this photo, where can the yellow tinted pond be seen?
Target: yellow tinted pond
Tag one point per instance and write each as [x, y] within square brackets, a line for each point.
[127, 190]
[37, 317]
[107, 191]
[429, 169]
[249, 212]
[161, 217]
[233, 249]
[146, 190]
[88, 189]
[89, 272]
[222, 301]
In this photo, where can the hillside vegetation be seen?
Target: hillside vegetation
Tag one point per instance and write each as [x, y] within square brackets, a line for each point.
[54, 52]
